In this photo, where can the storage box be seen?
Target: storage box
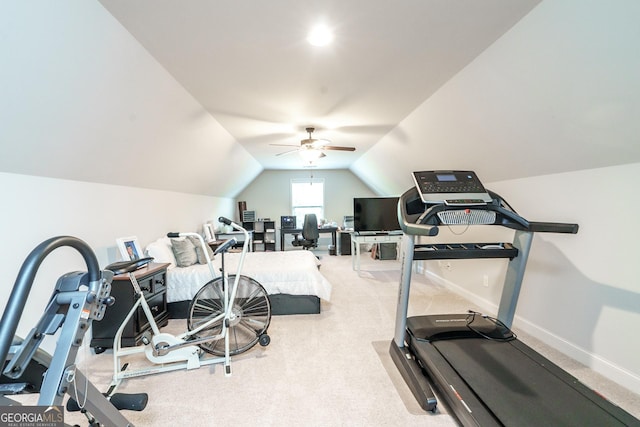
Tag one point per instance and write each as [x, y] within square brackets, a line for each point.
[387, 251]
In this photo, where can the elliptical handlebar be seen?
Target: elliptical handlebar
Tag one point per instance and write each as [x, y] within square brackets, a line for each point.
[24, 281]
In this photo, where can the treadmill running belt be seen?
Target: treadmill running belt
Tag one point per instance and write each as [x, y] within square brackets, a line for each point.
[519, 390]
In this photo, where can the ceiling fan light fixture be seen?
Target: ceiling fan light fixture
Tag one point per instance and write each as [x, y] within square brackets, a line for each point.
[311, 149]
[310, 154]
[320, 35]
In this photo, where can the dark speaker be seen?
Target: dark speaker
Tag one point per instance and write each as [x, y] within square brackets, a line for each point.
[345, 243]
[288, 222]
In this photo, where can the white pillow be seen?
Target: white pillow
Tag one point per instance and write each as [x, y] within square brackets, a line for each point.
[184, 252]
[161, 251]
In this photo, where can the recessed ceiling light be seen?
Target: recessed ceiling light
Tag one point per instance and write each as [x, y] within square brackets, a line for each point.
[320, 35]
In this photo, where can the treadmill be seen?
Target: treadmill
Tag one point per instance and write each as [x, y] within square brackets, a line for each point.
[476, 364]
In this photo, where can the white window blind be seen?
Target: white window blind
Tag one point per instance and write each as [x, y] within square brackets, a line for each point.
[307, 196]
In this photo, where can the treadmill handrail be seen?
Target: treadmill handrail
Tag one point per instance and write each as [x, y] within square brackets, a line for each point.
[423, 219]
[553, 227]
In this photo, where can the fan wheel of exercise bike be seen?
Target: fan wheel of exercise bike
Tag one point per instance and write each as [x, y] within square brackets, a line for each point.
[251, 309]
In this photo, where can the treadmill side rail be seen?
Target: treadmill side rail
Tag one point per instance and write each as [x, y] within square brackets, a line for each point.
[413, 376]
[461, 402]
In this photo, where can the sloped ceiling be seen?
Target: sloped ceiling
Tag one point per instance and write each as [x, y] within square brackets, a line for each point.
[82, 100]
[559, 93]
[189, 96]
[249, 65]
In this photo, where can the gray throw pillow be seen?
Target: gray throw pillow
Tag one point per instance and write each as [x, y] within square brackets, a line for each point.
[184, 251]
[202, 259]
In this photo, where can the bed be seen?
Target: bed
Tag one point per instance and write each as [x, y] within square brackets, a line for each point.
[292, 279]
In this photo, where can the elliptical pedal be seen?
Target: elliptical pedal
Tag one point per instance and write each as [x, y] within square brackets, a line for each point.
[129, 401]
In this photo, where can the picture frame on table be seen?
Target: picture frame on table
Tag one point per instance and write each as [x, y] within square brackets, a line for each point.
[209, 232]
[129, 248]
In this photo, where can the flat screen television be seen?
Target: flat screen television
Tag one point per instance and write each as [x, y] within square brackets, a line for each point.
[372, 214]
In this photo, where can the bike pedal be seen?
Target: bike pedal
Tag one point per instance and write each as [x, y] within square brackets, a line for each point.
[146, 339]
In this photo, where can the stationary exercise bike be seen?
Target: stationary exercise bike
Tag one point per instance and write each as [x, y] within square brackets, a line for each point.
[227, 316]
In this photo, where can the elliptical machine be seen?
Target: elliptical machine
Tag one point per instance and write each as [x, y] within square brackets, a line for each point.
[78, 299]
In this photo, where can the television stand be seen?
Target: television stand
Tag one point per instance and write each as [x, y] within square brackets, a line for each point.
[375, 237]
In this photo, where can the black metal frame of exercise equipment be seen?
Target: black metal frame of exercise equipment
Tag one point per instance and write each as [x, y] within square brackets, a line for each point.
[484, 374]
[78, 299]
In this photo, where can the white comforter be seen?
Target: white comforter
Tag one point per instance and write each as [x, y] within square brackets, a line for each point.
[290, 272]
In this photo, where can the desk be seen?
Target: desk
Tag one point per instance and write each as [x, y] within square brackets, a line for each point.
[357, 239]
[322, 230]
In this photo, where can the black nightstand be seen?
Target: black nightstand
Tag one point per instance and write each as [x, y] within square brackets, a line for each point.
[152, 280]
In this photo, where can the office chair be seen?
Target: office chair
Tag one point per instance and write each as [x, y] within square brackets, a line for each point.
[310, 233]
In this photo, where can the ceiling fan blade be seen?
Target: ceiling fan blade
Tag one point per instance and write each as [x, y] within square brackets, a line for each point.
[315, 142]
[287, 152]
[285, 145]
[334, 147]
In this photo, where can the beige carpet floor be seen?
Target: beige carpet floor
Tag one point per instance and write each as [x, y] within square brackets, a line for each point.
[329, 369]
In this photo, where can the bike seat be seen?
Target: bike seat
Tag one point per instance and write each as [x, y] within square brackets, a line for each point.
[121, 267]
[225, 246]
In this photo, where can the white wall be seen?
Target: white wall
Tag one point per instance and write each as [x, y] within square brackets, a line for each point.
[547, 117]
[35, 209]
[270, 193]
[582, 292]
[81, 99]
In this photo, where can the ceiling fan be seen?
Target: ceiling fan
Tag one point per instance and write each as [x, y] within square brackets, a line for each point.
[312, 148]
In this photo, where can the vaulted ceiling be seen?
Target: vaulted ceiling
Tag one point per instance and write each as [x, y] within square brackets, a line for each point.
[251, 68]
[192, 96]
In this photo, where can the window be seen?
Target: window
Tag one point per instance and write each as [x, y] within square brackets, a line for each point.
[307, 196]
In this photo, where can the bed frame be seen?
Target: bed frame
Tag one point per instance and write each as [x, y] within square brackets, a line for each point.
[309, 285]
[281, 304]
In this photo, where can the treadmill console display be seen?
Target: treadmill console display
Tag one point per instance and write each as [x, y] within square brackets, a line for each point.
[451, 187]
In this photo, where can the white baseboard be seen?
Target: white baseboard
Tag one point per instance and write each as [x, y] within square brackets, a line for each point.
[595, 362]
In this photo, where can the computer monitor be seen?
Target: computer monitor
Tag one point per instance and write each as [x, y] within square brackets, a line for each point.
[375, 214]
